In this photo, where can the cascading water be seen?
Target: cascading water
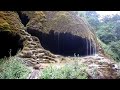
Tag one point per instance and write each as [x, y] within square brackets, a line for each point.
[65, 44]
[95, 49]
[90, 46]
[58, 43]
[87, 45]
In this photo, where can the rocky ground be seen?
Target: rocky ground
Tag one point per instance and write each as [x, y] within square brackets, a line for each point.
[98, 67]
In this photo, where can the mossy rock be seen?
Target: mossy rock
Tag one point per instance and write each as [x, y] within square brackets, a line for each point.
[65, 22]
[59, 21]
[4, 25]
[10, 21]
[12, 28]
[47, 25]
[36, 19]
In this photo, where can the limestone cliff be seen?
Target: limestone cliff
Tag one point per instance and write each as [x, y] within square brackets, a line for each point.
[40, 35]
[57, 27]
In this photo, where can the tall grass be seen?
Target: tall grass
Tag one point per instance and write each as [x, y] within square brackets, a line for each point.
[69, 71]
[11, 68]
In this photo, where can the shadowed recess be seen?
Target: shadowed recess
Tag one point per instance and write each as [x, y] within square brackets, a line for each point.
[9, 44]
[24, 18]
[64, 44]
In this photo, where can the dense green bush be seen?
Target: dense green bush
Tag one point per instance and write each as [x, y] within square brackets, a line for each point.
[109, 51]
[69, 71]
[12, 69]
[115, 47]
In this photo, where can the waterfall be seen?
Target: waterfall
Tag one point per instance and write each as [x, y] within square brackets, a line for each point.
[95, 48]
[58, 42]
[87, 45]
[90, 46]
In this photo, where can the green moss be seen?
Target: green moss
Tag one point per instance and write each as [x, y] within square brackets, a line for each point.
[11, 21]
[4, 25]
[36, 18]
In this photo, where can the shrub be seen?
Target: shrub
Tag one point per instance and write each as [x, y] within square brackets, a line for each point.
[69, 71]
[12, 69]
[108, 51]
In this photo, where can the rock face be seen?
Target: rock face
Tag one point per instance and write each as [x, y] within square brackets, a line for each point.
[10, 33]
[99, 67]
[59, 29]
[60, 32]
[33, 35]
[14, 38]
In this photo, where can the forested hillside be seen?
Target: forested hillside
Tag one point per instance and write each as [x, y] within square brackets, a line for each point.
[107, 30]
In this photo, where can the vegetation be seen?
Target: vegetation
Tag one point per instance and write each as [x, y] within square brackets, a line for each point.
[13, 69]
[69, 71]
[108, 50]
[108, 31]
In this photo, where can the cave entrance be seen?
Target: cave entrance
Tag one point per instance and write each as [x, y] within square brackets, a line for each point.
[64, 44]
[24, 18]
[9, 44]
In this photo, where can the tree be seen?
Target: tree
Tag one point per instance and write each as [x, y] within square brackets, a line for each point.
[108, 30]
[92, 18]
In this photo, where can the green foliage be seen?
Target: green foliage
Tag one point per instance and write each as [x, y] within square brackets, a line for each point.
[69, 71]
[108, 31]
[115, 47]
[12, 69]
[112, 24]
[109, 51]
[92, 18]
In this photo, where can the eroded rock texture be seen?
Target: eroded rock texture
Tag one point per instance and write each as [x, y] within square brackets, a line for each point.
[14, 38]
[59, 32]
[63, 33]
[10, 33]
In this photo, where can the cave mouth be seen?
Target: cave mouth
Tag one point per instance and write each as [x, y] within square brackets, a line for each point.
[9, 44]
[24, 18]
[64, 44]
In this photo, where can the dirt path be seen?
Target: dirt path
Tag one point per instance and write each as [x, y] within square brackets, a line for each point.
[34, 75]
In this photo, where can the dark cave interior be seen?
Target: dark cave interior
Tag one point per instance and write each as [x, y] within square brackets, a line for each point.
[9, 44]
[64, 44]
[24, 19]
